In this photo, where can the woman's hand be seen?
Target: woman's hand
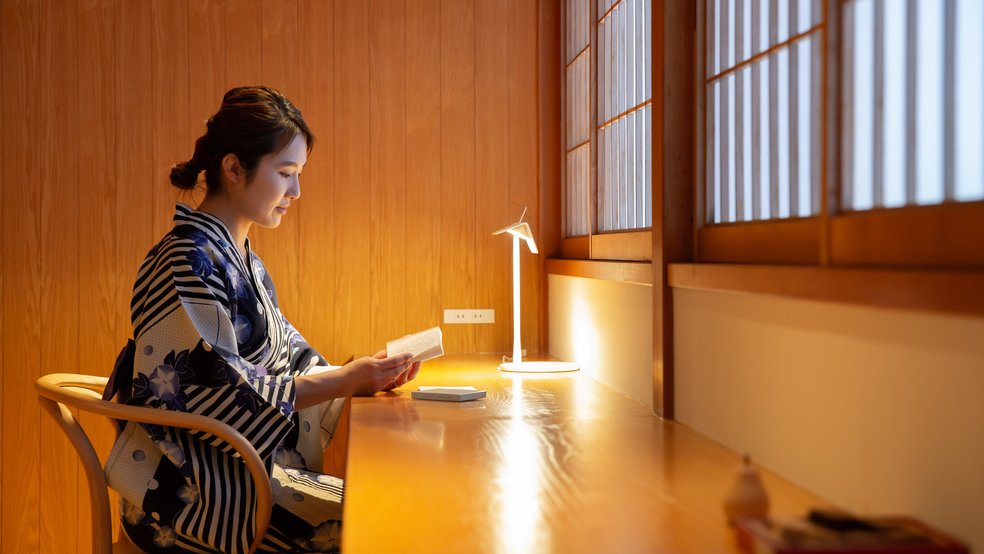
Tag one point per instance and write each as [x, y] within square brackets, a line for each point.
[367, 376]
[404, 377]
[362, 377]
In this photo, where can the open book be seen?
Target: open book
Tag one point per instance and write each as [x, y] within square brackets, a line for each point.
[424, 345]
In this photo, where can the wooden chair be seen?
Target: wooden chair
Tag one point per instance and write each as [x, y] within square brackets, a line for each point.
[59, 391]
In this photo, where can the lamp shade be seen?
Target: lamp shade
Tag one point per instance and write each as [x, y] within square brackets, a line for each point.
[521, 230]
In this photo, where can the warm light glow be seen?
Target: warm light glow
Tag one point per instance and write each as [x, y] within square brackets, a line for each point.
[519, 482]
[587, 352]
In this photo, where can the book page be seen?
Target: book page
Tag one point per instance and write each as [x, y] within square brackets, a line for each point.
[422, 346]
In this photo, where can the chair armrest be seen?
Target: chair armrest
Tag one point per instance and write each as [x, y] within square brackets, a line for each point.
[61, 388]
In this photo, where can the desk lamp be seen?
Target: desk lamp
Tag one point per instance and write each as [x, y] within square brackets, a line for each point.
[521, 230]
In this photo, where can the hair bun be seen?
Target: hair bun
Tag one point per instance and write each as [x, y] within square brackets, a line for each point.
[184, 175]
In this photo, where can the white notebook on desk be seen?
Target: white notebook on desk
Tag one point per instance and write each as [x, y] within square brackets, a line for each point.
[447, 394]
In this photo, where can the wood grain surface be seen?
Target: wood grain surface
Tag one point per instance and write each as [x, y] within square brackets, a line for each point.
[387, 171]
[523, 181]
[493, 254]
[942, 236]
[316, 236]
[544, 463]
[97, 221]
[172, 140]
[422, 152]
[244, 42]
[352, 206]
[640, 273]
[458, 167]
[941, 291]
[423, 164]
[787, 241]
[21, 29]
[2, 298]
[59, 258]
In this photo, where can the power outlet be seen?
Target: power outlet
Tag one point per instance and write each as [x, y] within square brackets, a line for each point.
[483, 316]
[469, 316]
[457, 316]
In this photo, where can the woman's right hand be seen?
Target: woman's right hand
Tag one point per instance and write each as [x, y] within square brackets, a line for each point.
[367, 376]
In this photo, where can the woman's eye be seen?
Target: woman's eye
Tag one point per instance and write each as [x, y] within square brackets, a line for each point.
[285, 175]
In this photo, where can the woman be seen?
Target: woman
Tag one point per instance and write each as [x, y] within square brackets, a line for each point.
[209, 338]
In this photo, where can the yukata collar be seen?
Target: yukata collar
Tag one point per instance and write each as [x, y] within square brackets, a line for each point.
[216, 229]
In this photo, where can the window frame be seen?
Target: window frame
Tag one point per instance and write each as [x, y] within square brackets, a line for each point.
[632, 245]
[933, 237]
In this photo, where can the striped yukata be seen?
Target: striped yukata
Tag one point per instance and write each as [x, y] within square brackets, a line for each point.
[209, 339]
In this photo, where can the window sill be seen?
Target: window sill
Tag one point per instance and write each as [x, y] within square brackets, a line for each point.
[637, 273]
[634, 246]
[960, 292]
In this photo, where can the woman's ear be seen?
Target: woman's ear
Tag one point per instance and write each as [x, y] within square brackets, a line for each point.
[231, 170]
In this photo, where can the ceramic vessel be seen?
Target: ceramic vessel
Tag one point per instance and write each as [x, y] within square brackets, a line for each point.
[747, 496]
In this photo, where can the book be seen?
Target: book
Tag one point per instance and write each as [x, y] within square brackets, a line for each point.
[809, 534]
[425, 345]
[447, 394]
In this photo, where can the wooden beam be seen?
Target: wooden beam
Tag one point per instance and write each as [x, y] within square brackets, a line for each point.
[941, 291]
[632, 246]
[784, 241]
[638, 273]
[946, 235]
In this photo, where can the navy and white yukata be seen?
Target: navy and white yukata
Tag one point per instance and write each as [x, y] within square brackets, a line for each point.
[209, 339]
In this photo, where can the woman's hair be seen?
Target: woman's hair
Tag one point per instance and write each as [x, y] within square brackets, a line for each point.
[252, 122]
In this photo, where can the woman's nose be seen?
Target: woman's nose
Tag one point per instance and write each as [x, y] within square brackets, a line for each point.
[294, 191]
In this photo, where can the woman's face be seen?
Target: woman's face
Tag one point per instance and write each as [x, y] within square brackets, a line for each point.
[275, 184]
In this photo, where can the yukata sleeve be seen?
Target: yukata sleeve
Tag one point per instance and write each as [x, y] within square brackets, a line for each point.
[188, 359]
[323, 418]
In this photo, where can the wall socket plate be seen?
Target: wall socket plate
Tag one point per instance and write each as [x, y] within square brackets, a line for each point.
[469, 316]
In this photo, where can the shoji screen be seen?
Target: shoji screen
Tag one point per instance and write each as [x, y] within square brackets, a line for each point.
[913, 91]
[625, 115]
[763, 106]
[578, 130]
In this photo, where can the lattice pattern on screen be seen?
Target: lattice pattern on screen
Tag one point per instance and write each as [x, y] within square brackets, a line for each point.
[578, 129]
[625, 115]
[763, 104]
[913, 91]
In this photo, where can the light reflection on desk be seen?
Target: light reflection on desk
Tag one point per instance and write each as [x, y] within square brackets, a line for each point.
[544, 463]
[519, 483]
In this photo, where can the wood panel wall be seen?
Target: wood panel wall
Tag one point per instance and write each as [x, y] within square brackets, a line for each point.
[426, 113]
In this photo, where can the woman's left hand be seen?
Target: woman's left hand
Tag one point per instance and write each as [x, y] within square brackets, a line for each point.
[402, 378]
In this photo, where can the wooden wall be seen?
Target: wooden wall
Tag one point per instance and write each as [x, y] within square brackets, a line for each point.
[426, 116]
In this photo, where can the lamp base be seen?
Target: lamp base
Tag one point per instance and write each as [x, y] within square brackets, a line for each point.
[538, 367]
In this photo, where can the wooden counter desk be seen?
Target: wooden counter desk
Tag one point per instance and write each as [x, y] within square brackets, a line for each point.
[544, 463]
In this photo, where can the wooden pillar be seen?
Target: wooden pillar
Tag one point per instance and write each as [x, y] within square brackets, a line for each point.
[674, 155]
[549, 64]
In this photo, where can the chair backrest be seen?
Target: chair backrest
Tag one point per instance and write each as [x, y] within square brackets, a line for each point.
[58, 391]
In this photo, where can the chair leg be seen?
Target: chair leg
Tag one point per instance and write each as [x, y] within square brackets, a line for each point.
[102, 532]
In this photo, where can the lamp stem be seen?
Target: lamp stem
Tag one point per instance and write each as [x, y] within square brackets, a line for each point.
[517, 348]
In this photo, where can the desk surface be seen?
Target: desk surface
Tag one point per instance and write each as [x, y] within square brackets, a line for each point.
[543, 464]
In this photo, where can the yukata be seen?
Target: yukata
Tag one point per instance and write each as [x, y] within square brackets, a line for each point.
[209, 339]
